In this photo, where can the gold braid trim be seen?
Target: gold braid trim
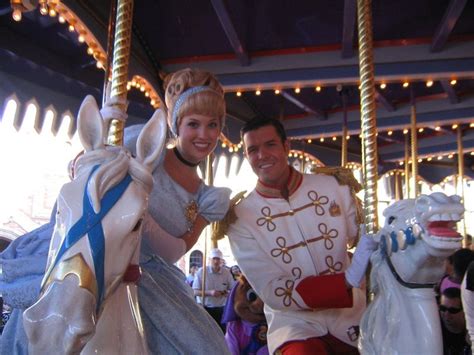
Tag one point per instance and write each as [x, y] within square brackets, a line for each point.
[219, 229]
[344, 176]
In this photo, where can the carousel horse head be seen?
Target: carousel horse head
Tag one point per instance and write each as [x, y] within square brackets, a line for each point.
[95, 243]
[421, 228]
[417, 236]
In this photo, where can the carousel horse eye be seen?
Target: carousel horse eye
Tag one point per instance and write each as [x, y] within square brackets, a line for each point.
[391, 219]
[251, 295]
[138, 225]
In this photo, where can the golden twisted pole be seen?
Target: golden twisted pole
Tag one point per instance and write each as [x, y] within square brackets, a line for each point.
[414, 148]
[407, 166]
[344, 133]
[122, 44]
[397, 185]
[461, 176]
[368, 121]
[210, 182]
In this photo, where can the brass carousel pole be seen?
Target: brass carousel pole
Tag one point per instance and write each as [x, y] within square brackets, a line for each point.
[407, 166]
[414, 147]
[344, 132]
[368, 121]
[210, 182]
[110, 48]
[461, 176]
[397, 185]
[122, 44]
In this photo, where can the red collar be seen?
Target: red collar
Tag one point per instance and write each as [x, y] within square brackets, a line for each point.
[294, 181]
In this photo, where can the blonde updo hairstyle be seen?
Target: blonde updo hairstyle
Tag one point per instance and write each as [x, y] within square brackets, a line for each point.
[206, 102]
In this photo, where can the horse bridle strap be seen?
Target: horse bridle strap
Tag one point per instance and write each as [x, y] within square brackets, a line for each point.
[411, 285]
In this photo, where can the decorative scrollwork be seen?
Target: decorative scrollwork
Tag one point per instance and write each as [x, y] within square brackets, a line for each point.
[332, 266]
[318, 202]
[287, 291]
[328, 235]
[267, 219]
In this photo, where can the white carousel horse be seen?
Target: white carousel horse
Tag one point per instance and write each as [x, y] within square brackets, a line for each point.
[89, 302]
[417, 236]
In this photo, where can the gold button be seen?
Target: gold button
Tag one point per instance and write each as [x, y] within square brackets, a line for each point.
[291, 212]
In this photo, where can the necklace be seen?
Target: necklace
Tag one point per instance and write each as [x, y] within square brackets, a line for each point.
[182, 160]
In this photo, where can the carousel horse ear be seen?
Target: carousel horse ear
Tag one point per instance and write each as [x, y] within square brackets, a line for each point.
[151, 140]
[90, 125]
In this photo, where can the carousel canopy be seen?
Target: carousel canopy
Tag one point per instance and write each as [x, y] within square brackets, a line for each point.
[293, 60]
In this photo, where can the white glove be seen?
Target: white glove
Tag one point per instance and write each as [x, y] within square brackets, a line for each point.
[356, 271]
[112, 108]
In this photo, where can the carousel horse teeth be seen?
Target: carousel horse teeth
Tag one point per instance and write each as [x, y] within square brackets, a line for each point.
[402, 240]
[446, 217]
[434, 218]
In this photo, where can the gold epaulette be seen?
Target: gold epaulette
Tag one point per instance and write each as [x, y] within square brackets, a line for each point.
[344, 176]
[219, 229]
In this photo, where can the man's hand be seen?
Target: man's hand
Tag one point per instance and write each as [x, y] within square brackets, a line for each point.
[356, 271]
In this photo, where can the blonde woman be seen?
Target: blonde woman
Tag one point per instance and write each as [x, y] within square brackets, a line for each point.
[181, 205]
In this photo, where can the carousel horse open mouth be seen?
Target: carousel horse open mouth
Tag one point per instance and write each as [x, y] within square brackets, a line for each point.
[443, 229]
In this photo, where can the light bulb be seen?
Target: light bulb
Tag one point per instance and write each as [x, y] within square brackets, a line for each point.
[43, 8]
[16, 15]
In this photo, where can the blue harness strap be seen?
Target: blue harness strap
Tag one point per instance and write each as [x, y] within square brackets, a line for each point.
[90, 224]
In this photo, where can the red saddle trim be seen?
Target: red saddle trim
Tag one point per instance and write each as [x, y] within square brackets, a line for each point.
[132, 274]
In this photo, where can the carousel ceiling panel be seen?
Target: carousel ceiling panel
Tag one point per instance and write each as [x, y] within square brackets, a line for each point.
[272, 45]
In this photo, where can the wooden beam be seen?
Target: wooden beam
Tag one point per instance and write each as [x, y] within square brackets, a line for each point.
[445, 27]
[301, 105]
[381, 99]
[231, 33]
[449, 89]
[348, 28]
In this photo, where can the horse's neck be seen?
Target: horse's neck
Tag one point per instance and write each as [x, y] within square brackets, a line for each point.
[417, 264]
[120, 316]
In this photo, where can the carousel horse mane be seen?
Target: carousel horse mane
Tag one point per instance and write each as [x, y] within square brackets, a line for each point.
[416, 238]
[88, 297]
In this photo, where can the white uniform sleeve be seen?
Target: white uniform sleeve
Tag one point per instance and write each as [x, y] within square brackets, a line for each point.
[350, 213]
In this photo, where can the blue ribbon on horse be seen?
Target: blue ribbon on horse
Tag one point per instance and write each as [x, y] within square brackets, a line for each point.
[90, 224]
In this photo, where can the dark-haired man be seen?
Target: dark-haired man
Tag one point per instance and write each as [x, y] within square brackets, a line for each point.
[453, 323]
[290, 241]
